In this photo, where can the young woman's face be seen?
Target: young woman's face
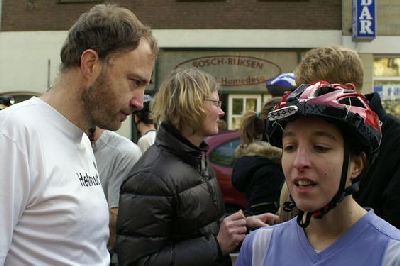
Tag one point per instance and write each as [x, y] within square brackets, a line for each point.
[312, 160]
[213, 114]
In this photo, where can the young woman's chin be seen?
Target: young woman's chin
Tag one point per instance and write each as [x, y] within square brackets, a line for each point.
[310, 205]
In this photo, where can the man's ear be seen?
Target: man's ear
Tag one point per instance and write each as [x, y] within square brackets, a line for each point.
[89, 63]
[358, 165]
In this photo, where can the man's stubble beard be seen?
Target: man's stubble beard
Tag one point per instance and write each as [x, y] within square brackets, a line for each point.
[96, 100]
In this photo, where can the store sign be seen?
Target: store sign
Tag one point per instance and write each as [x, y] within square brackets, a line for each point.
[364, 20]
[237, 70]
[388, 92]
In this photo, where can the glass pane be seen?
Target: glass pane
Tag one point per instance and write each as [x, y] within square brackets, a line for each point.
[251, 105]
[237, 106]
[387, 66]
[235, 123]
[224, 154]
[389, 91]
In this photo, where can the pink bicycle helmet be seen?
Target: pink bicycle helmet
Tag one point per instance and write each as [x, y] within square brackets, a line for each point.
[340, 105]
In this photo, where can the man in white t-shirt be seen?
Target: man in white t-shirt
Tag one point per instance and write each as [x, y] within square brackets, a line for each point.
[145, 125]
[52, 206]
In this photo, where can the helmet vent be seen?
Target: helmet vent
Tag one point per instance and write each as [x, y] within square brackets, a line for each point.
[324, 90]
[352, 101]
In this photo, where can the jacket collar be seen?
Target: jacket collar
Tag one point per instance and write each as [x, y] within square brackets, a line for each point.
[171, 139]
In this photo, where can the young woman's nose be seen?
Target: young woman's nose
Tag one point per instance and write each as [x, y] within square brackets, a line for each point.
[302, 159]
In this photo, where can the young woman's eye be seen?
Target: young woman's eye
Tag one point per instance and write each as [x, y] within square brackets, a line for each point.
[321, 148]
[288, 148]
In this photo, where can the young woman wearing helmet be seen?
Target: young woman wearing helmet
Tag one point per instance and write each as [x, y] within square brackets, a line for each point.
[328, 135]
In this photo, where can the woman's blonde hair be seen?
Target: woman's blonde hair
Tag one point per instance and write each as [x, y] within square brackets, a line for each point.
[180, 99]
[285, 197]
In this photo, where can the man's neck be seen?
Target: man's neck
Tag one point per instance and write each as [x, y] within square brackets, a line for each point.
[65, 97]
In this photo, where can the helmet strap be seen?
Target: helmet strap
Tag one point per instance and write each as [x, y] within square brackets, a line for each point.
[342, 191]
[339, 196]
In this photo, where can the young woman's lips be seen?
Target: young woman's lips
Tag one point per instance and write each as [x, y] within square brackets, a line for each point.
[304, 184]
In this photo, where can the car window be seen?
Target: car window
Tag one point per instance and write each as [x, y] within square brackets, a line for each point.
[224, 154]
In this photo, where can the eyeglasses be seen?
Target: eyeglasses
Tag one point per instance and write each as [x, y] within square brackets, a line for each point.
[217, 103]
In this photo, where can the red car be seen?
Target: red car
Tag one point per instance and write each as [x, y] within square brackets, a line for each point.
[221, 158]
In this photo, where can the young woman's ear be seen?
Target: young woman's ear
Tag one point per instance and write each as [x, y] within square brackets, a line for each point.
[358, 165]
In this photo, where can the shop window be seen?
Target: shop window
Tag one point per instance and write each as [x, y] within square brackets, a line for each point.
[239, 105]
[387, 82]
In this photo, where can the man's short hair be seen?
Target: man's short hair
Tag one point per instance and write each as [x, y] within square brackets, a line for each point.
[106, 29]
[334, 64]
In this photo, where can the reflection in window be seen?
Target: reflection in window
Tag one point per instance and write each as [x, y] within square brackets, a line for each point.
[387, 66]
[236, 122]
[251, 105]
[387, 82]
[223, 155]
[237, 106]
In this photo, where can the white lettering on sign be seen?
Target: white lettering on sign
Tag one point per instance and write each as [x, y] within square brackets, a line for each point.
[365, 18]
[366, 2]
[366, 27]
[365, 14]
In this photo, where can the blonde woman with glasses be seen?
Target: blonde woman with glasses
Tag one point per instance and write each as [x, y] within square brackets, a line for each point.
[171, 208]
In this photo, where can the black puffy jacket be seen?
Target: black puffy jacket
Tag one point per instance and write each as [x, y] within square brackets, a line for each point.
[170, 207]
[257, 172]
[380, 187]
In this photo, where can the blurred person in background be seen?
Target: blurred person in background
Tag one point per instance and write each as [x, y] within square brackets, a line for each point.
[52, 206]
[257, 168]
[6, 101]
[145, 125]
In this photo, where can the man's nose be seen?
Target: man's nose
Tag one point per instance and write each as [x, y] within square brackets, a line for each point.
[137, 103]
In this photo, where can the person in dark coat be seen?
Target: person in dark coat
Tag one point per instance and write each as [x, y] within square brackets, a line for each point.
[258, 173]
[380, 187]
[171, 208]
[257, 169]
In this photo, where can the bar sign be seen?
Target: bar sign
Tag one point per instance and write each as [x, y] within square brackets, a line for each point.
[364, 20]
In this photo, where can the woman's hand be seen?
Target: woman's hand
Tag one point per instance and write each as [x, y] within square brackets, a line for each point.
[260, 220]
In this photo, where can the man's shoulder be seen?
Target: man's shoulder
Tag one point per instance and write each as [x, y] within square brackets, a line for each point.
[120, 143]
[117, 139]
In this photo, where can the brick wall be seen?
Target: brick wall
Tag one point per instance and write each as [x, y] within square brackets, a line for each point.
[29, 15]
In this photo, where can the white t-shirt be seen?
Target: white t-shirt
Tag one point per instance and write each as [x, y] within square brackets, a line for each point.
[147, 140]
[52, 206]
[115, 156]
